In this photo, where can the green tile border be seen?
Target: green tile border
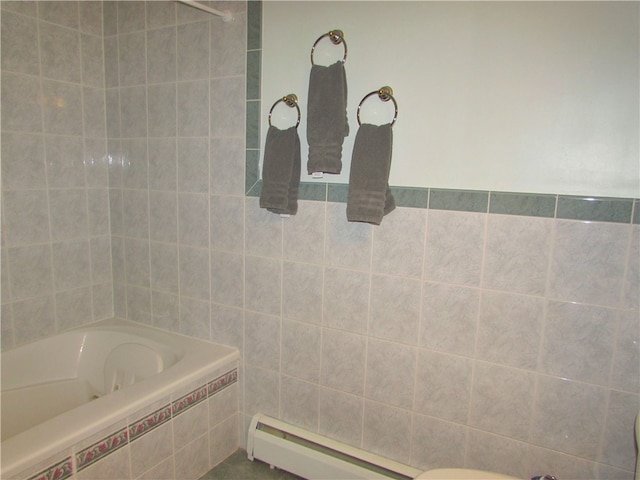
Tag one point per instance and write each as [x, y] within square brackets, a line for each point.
[597, 209]
[616, 210]
[525, 204]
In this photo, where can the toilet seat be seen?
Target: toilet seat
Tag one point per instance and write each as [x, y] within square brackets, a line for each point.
[462, 474]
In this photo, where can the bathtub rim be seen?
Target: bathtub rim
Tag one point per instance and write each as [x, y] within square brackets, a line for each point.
[72, 427]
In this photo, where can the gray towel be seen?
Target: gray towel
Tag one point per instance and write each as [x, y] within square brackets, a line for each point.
[369, 194]
[281, 171]
[326, 117]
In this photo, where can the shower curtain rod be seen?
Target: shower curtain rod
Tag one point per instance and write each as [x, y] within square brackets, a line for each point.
[226, 15]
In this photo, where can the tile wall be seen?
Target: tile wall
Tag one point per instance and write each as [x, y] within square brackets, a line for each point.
[56, 246]
[469, 329]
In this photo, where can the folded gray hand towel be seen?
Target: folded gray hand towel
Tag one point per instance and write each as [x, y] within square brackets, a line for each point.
[281, 171]
[326, 117]
[369, 195]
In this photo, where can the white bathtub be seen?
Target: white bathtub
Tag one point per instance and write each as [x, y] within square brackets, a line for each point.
[60, 391]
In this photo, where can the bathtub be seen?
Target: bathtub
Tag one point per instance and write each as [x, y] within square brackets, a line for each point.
[72, 401]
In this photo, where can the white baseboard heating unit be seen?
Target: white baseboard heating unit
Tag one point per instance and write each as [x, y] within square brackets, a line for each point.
[315, 457]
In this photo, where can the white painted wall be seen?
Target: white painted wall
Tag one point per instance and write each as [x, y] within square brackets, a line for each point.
[507, 96]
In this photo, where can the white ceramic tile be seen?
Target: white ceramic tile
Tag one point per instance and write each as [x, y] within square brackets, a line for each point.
[340, 416]
[165, 311]
[443, 386]
[164, 267]
[517, 254]
[449, 318]
[227, 223]
[432, 441]
[631, 292]
[135, 171]
[387, 431]
[163, 216]
[138, 302]
[21, 111]
[194, 272]
[25, 217]
[193, 165]
[568, 416]
[261, 391]
[228, 107]
[193, 213]
[509, 329]
[100, 260]
[578, 342]
[501, 400]
[398, 243]
[92, 60]
[137, 262]
[98, 206]
[91, 17]
[162, 114]
[625, 374]
[228, 45]
[495, 454]
[346, 299]
[302, 292]
[94, 112]
[132, 59]
[58, 120]
[454, 247]
[348, 245]
[227, 278]
[19, 44]
[150, 449]
[395, 308]
[301, 350]
[227, 325]
[65, 14]
[263, 231]
[618, 447]
[65, 166]
[262, 340]
[23, 165]
[304, 233]
[71, 264]
[161, 53]
[588, 262]
[343, 361]
[192, 461]
[130, 16]
[390, 373]
[299, 403]
[223, 405]
[59, 52]
[193, 51]
[135, 205]
[542, 461]
[160, 14]
[263, 284]
[227, 166]
[133, 111]
[193, 109]
[73, 308]
[33, 319]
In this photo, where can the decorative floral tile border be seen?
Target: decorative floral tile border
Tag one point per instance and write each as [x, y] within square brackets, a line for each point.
[137, 429]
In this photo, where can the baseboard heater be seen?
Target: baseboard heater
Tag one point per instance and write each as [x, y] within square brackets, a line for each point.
[315, 457]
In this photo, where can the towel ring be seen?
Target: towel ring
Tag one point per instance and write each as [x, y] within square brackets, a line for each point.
[290, 101]
[385, 94]
[337, 38]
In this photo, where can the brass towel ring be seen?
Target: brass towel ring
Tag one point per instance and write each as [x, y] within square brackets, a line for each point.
[337, 38]
[385, 94]
[290, 101]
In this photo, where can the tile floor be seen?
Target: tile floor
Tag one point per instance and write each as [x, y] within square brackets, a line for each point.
[238, 467]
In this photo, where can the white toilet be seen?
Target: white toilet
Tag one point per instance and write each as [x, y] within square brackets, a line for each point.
[462, 474]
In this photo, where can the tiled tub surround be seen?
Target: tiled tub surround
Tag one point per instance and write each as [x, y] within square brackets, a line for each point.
[193, 398]
[514, 346]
